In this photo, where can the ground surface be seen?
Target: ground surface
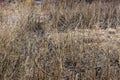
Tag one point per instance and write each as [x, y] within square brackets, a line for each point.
[38, 44]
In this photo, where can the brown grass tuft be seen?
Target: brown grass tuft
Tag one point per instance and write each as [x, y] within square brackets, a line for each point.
[60, 40]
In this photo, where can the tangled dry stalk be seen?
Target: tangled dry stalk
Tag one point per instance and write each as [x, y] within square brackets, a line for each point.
[60, 41]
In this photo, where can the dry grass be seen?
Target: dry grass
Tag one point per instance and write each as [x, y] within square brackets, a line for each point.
[60, 41]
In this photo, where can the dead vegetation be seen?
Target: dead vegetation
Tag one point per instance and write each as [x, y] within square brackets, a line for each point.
[60, 41]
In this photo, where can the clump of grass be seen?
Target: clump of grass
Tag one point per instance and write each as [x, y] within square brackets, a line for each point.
[59, 41]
